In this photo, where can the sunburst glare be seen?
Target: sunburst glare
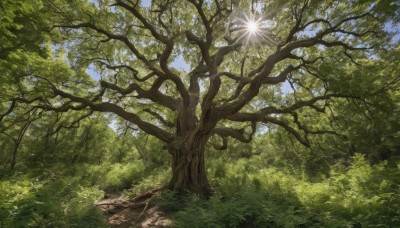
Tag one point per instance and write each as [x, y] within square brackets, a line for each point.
[251, 29]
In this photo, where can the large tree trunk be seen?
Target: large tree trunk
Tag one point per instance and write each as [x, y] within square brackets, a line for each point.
[188, 166]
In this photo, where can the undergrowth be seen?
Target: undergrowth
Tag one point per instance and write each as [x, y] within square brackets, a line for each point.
[245, 194]
[60, 196]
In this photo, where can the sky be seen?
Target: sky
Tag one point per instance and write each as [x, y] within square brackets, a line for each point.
[146, 3]
[393, 28]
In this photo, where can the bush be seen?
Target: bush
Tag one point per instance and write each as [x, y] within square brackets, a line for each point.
[49, 202]
[248, 195]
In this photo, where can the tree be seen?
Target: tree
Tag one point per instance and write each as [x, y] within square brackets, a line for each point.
[17, 139]
[239, 55]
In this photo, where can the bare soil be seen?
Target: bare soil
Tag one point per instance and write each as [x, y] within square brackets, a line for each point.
[141, 211]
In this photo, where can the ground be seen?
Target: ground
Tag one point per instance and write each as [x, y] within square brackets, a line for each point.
[141, 211]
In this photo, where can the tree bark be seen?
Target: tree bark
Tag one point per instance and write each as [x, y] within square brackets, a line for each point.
[14, 156]
[188, 165]
[17, 143]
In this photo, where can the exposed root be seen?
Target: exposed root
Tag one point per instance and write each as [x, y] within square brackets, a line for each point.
[138, 212]
[146, 195]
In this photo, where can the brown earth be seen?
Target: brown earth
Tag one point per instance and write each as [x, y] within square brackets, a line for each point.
[141, 211]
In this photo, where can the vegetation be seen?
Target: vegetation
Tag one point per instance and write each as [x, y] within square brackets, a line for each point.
[215, 113]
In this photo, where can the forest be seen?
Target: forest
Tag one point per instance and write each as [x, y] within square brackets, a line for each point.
[200, 113]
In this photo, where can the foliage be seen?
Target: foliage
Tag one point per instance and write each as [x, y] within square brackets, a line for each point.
[92, 105]
[250, 192]
[360, 195]
[110, 177]
[49, 199]
[117, 57]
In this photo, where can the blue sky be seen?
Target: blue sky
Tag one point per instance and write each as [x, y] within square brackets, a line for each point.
[146, 3]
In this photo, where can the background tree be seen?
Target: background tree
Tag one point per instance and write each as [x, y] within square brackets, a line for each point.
[239, 55]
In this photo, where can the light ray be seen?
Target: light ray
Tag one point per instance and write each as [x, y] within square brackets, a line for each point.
[252, 26]
[251, 29]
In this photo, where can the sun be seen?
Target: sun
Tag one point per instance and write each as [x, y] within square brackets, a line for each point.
[251, 29]
[252, 26]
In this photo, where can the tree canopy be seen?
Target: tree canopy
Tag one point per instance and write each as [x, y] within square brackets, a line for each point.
[195, 73]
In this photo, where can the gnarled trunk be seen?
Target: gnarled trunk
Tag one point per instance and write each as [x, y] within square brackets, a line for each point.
[188, 166]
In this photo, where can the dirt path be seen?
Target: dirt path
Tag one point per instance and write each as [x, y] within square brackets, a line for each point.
[141, 211]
